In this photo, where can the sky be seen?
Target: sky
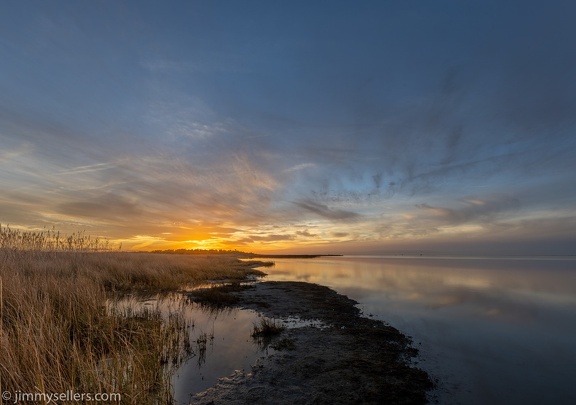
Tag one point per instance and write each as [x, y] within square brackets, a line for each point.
[343, 127]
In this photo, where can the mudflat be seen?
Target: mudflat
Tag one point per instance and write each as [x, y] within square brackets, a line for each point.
[344, 358]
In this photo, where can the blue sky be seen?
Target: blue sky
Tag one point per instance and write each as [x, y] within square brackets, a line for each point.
[340, 127]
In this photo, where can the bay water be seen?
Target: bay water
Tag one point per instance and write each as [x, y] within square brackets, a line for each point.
[489, 330]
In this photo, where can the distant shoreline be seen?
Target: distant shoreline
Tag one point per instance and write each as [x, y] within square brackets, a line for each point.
[264, 256]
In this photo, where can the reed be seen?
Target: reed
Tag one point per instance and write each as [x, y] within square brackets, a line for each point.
[266, 328]
[52, 240]
[58, 334]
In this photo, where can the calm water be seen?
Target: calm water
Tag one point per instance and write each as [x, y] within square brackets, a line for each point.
[230, 347]
[228, 343]
[493, 331]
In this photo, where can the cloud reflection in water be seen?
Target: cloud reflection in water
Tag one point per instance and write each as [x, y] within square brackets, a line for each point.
[493, 330]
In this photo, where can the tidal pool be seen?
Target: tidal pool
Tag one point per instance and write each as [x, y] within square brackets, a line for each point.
[221, 339]
[229, 347]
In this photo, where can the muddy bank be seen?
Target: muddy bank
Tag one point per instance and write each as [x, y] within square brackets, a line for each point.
[347, 360]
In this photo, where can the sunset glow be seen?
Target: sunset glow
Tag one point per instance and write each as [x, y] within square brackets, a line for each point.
[292, 127]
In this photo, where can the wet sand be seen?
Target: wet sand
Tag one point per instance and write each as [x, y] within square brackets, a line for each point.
[350, 359]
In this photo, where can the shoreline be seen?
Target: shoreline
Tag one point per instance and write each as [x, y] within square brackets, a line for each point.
[266, 256]
[349, 359]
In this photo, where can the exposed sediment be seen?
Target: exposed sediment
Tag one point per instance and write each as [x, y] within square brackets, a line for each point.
[350, 360]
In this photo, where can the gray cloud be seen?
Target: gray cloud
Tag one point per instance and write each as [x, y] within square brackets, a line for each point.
[474, 209]
[306, 234]
[326, 212]
[105, 207]
[267, 238]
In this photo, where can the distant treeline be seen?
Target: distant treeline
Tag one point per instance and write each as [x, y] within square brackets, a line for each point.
[204, 252]
[234, 252]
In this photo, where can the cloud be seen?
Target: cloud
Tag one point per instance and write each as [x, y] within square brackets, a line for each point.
[233, 134]
[326, 212]
[474, 209]
[181, 117]
[107, 206]
[270, 238]
[300, 166]
[306, 234]
[10, 155]
[86, 169]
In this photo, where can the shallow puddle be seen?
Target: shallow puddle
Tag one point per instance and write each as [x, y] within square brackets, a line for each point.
[221, 340]
[228, 347]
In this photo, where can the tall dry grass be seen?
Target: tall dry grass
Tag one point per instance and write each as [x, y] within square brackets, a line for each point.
[52, 240]
[57, 334]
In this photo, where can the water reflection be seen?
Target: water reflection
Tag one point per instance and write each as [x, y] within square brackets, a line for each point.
[220, 338]
[495, 331]
[228, 346]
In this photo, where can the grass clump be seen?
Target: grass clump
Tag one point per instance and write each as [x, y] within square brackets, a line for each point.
[214, 298]
[57, 332]
[218, 297]
[264, 332]
[267, 328]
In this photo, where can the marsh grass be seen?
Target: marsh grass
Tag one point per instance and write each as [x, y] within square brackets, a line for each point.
[58, 334]
[266, 328]
[201, 346]
[218, 297]
[52, 240]
[265, 331]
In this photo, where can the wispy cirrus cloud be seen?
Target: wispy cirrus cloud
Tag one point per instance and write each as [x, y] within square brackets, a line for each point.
[86, 168]
[299, 167]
